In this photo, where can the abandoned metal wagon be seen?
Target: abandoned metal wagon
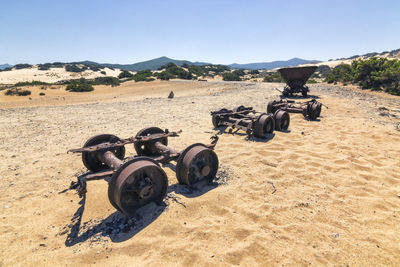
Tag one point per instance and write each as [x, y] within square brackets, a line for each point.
[296, 78]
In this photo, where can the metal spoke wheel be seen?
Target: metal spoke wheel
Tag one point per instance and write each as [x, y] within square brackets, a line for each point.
[137, 183]
[319, 106]
[312, 111]
[91, 160]
[270, 107]
[196, 163]
[216, 121]
[216, 118]
[282, 120]
[147, 148]
[264, 124]
[239, 108]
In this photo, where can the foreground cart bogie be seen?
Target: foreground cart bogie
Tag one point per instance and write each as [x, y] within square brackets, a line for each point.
[141, 180]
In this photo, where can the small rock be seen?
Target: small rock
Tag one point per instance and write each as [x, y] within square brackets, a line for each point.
[335, 235]
[398, 194]
[302, 133]
[42, 245]
[171, 94]
[6, 207]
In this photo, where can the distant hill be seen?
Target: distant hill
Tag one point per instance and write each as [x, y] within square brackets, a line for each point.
[152, 64]
[5, 66]
[272, 65]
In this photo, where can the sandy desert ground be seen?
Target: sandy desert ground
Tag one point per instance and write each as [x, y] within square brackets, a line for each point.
[337, 181]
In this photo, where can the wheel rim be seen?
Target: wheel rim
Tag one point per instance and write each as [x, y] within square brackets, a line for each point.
[282, 120]
[196, 163]
[239, 108]
[138, 184]
[215, 121]
[147, 148]
[91, 160]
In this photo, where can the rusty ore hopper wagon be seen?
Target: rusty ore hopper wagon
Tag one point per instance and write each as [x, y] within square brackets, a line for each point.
[296, 78]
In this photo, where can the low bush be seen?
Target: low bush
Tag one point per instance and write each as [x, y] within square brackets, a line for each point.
[75, 68]
[42, 93]
[254, 72]
[17, 91]
[125, 74]
[273, 77]
[230, 76]
[374, 73]
[22, 66]
[31, 83]
[79, 87]
[311, 81]
[108, 80]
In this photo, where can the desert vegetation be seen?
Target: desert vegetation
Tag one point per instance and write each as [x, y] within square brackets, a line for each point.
[18, 92]
[374, 73]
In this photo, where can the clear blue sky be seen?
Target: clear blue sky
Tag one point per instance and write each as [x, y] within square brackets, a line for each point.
[204, 30]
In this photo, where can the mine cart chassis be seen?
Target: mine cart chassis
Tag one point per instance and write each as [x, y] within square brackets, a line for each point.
[310, 109]
[139, 180]
[252, 122]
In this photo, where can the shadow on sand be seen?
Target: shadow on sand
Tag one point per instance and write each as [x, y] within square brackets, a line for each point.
[299, 97]
[223, 130]
[119, 227]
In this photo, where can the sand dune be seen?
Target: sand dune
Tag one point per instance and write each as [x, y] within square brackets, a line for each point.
[336, 181]
[50, 76]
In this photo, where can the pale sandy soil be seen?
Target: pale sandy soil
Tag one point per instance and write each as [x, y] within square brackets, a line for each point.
[50, 76]
[336, 180]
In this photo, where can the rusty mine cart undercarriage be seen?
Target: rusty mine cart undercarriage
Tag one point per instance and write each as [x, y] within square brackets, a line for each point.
[310, 109]
[140, 180]
[252, 122]
[296, 79]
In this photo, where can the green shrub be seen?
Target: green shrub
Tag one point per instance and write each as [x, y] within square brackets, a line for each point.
[374, 73]
[45, 66]
[254, 72]
[31, 83]
[75, 68]
[239, 72]
[311, 81]
[22, 66]
[79, 87]
[103, 72]
[273, 77]
[108, 80]
[17, 91]
[125, 74]
[164, 75]
[230, 76]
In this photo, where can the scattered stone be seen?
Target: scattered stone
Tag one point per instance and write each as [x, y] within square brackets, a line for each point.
[398, 194]
[335, 235]
[6, 207]
[171, 94]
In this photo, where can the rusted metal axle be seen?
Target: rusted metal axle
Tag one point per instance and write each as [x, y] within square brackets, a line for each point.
[251, 121]
[310, 109]
[139, 180]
